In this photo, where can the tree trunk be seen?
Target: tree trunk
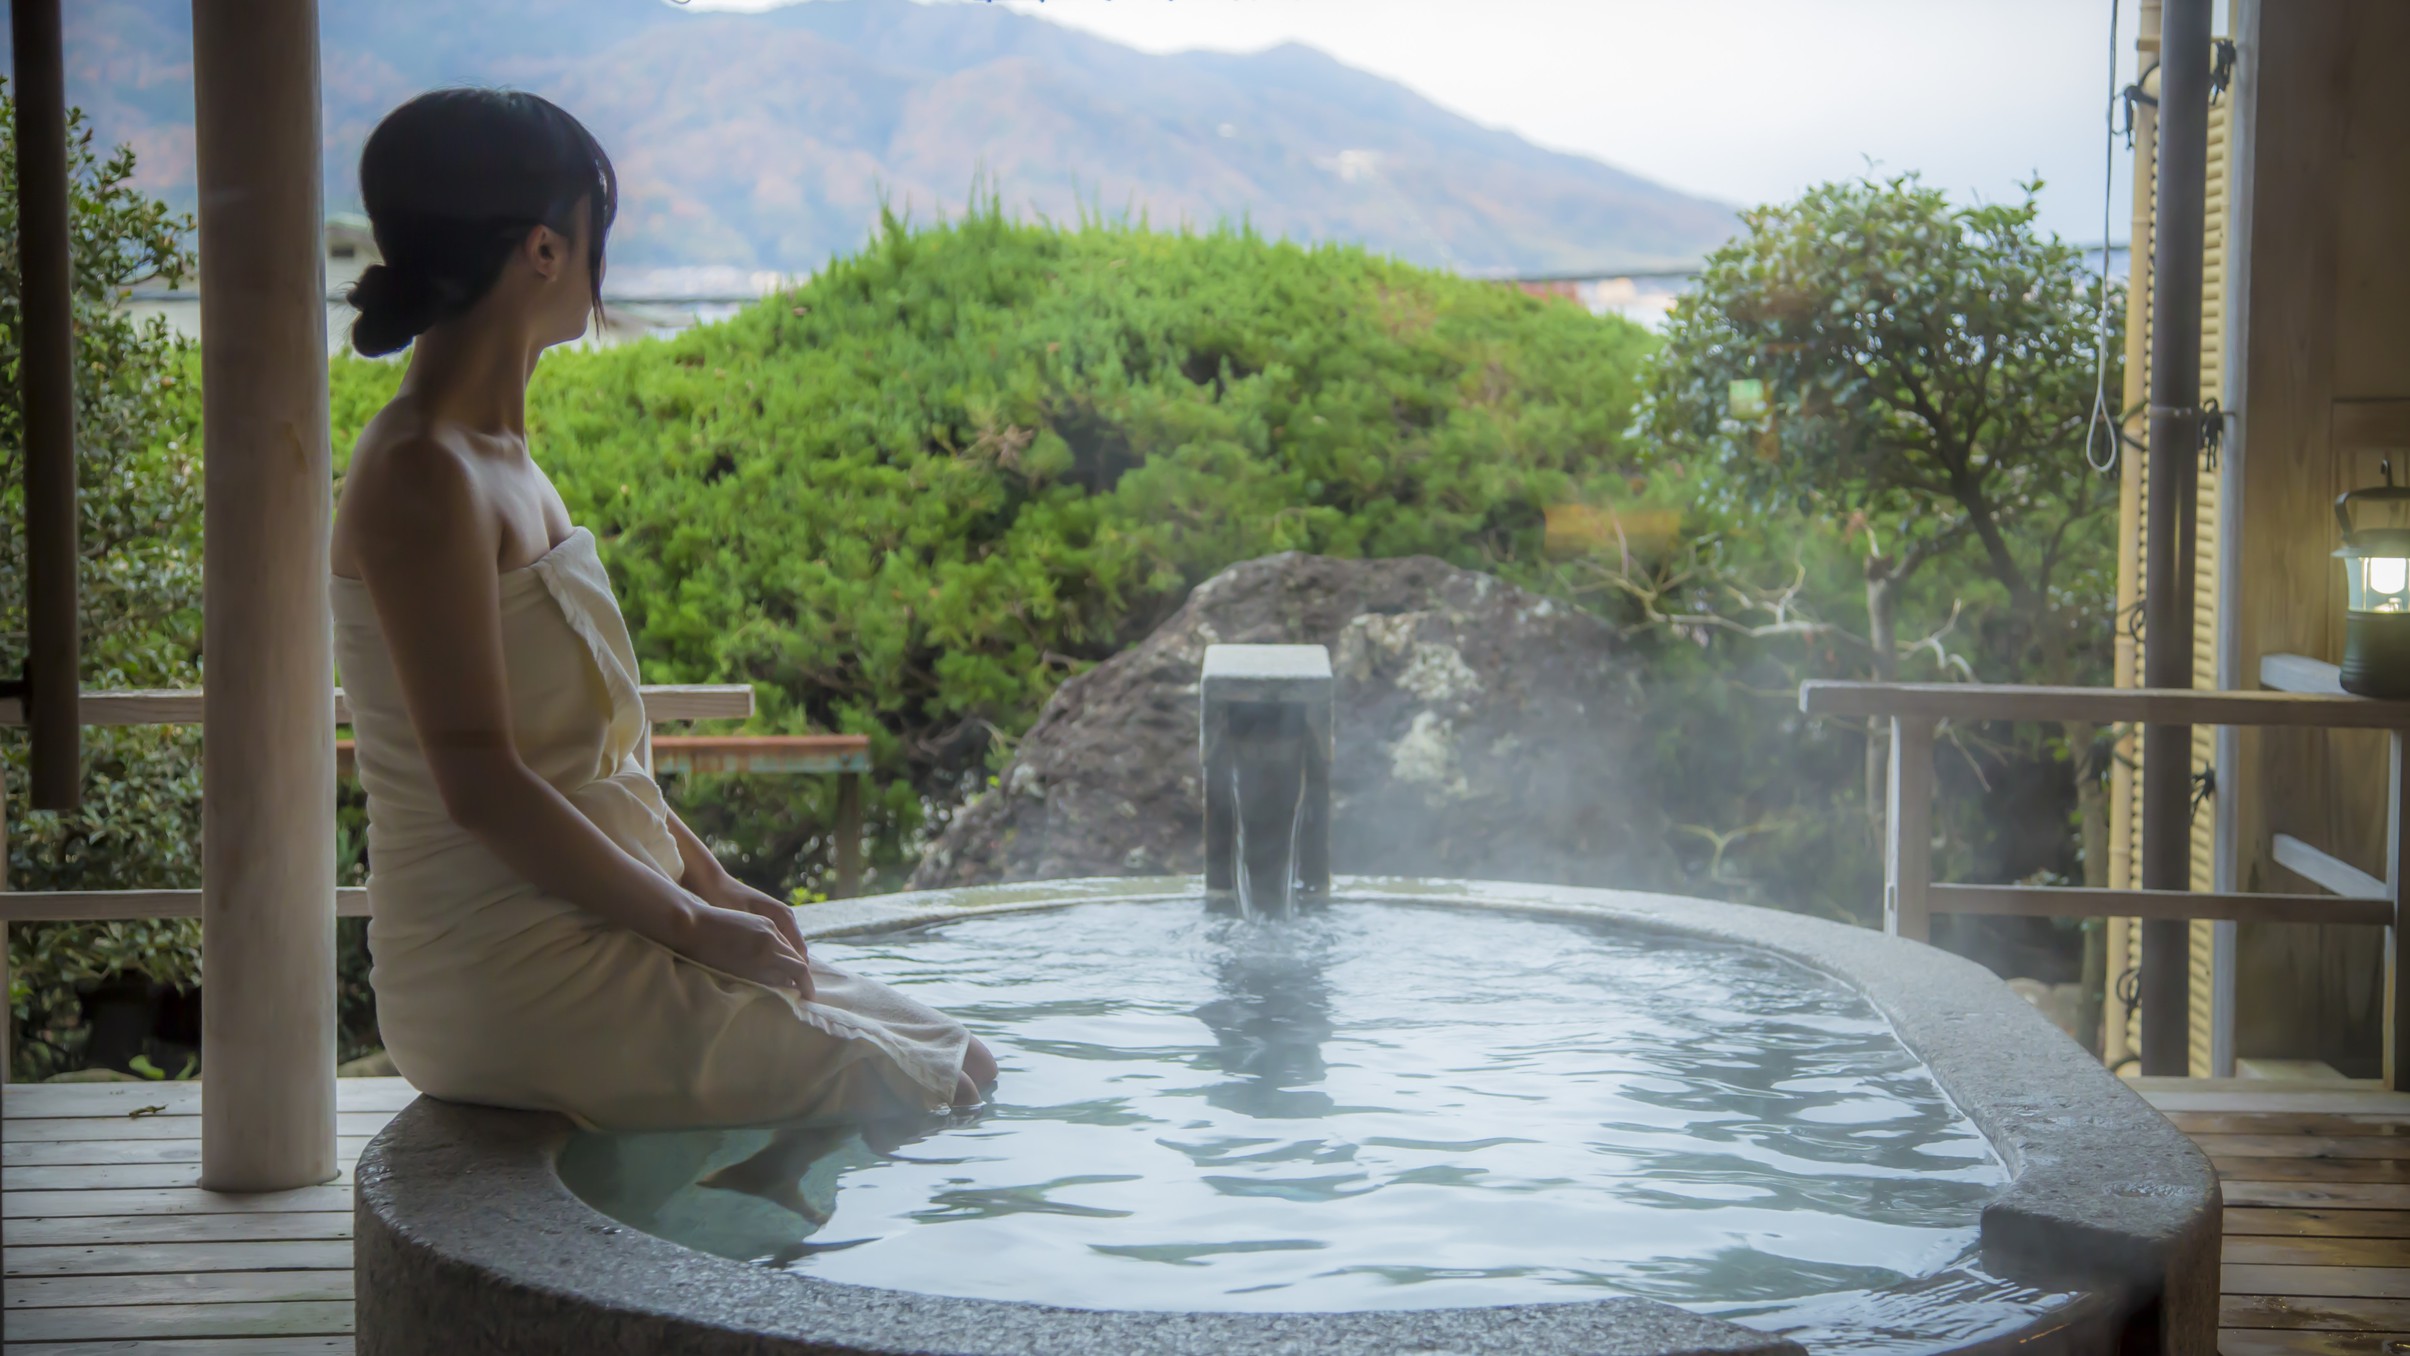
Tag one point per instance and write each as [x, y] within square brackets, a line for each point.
[2092, 812]
[2091, 801]
[1882, 636]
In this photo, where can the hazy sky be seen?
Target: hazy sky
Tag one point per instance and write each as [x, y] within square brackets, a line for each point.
[1743, 100]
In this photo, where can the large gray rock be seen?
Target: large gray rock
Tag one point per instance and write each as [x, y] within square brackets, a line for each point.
[1482, 731]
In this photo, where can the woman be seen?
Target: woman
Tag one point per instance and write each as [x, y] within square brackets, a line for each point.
[547, 933]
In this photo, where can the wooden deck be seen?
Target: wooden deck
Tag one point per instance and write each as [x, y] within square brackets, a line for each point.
[111, 1248]
[2317, 1183]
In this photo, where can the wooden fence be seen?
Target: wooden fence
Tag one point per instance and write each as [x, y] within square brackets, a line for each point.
[1911, 896]
[847, 757]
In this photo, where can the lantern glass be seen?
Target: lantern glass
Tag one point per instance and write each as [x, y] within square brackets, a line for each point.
[2378, 583]
[2376, 570]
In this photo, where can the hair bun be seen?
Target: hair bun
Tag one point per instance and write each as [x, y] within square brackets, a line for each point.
[394, 308]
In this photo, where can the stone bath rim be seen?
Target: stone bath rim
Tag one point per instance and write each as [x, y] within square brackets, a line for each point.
[466, 1238]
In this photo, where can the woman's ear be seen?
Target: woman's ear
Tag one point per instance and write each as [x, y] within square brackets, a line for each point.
[547, 252]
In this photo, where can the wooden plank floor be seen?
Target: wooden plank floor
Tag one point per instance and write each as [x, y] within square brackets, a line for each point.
[112, 1248]
[2317, 1184]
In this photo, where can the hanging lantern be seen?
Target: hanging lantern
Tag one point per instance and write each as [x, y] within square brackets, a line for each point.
[2376, 585]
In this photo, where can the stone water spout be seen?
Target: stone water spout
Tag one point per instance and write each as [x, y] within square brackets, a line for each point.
[1265, 739]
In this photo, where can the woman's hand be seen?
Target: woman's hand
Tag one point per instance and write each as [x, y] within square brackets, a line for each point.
[749, 945]
[725, 891]
[730, 893]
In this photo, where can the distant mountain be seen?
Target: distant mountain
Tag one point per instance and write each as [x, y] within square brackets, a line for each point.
[769, 140]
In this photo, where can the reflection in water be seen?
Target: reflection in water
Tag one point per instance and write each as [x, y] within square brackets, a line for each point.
[1375, 1107]
[775, 1173]
[1269, 1018]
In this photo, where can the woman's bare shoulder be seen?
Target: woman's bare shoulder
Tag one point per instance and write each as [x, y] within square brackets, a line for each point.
[402, 444]
[410, 482]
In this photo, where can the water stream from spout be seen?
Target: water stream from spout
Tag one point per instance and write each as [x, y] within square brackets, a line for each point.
[1267, 787]
[1271, 804]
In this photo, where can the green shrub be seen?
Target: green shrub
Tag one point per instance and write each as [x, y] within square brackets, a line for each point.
[1880, 400]
[138, 439]
[912, 497]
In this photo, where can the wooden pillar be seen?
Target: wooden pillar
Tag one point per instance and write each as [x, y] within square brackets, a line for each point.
[46, 370]
[8, 1009]
[2396, 1036]
[849, 834]
[8, 1025]
[2173, 501]
[268, 718]
[1908, 831]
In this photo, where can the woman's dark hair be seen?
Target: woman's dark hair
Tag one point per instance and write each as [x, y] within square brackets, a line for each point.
[453, 180]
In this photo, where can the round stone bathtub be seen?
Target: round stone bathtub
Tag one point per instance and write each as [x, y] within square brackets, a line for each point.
[1618, 1123]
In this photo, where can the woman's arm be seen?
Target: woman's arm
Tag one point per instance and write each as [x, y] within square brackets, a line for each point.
[427, 553]
[714, 885]
[702, 872]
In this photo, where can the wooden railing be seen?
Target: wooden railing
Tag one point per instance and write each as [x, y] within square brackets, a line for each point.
[1911, 896]
[182, 706]
[845, 756]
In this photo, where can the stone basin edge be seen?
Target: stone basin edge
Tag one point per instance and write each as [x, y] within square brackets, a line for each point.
[466, 1238]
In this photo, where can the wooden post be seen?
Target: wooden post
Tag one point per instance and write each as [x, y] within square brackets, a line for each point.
[849, 834]
[46, 371]
[1908, 831]
[2170, 527]
[2397, 937]
[268, 730]
[8, 1007]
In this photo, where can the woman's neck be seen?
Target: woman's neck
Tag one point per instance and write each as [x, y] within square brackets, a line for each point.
[472, 372]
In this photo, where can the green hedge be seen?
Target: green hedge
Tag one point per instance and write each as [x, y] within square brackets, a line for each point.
[139, 603]
[912, 497]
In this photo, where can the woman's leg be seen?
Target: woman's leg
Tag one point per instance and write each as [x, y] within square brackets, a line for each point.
[775, 1173]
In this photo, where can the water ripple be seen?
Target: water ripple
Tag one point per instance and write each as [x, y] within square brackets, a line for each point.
[1374, 1107]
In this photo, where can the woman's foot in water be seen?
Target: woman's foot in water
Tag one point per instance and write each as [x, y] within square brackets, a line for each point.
[977, 1075]
[775, 1174]
[977, 1078]
[979, 1065]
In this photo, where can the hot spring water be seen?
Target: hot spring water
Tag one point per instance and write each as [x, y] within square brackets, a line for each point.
[1237, 1103]
[1374, 1106]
